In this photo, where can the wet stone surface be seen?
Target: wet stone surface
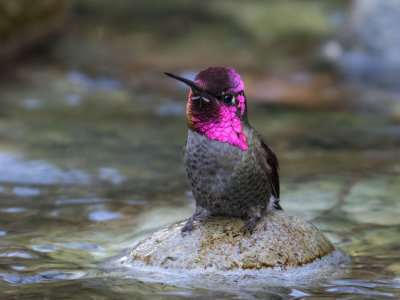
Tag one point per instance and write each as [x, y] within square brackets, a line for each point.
[218, 243]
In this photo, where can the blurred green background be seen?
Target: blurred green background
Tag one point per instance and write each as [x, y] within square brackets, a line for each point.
[91, 132]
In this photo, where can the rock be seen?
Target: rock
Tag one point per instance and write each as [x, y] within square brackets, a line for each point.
[218, 244]
[299, 89]
[368, 41]
[27, 24]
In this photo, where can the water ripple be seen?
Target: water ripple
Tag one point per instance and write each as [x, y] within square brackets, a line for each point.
[356, 290]
[80, 201]
[14, 169]
[16, 254]
[18, 268]
[48, 276]
[77, 245]
[171, 109]
[13, 210]
[90, 84]
[44, 248]
[23, 191]
[111, 175]
[104, 215]
[31, 103]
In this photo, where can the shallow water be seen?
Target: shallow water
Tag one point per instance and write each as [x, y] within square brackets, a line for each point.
[89, 166]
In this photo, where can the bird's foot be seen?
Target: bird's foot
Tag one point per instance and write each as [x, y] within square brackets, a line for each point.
[250, 225]
[189, 223]
[188, 227]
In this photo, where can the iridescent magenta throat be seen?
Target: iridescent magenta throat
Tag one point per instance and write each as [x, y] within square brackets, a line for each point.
[219, 122]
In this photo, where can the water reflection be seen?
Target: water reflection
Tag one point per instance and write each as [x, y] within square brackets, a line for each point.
[13, 210]
[111, 175]
[15, 254]
[13, 168]
[171, 109]
[31, 103]
[49, 276]
[104, 215]
[355, 290]
[89, 247]
[80, 201]
[71, 217]
[73, 100]
[87, 83]
[23, 191]
[44, 248]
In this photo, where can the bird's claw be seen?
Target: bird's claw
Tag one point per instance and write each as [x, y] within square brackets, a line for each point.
[187, 228]
[249, 227]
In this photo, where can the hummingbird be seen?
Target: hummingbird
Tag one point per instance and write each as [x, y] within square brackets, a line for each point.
[231, 170]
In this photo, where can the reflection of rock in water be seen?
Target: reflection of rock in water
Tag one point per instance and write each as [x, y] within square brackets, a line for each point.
[370, 43]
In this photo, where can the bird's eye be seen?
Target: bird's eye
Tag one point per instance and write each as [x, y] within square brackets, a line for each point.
[228, 99]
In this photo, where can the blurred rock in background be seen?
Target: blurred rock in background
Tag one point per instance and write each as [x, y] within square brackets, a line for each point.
[27, 24]
[367, 48]
[275, 45]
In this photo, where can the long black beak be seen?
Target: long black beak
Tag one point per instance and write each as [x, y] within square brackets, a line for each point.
[192, 84]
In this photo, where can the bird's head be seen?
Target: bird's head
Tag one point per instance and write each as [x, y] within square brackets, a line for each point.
[217, 105]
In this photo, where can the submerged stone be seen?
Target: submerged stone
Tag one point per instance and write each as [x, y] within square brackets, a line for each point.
[218, 244]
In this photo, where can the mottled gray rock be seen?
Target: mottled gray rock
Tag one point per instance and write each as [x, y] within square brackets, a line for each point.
[218, 244]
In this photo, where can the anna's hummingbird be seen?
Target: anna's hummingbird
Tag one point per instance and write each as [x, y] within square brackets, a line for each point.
[231, 170]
